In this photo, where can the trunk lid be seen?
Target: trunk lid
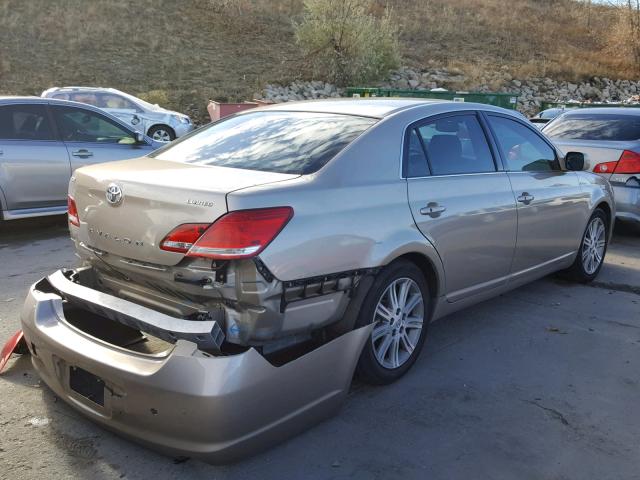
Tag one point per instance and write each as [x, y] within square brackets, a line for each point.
[156, 197]
[595, 152]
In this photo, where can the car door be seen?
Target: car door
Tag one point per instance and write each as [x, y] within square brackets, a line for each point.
[92, 137]
[34, 165]
[122, 108]
[461, 201]
[551, 206]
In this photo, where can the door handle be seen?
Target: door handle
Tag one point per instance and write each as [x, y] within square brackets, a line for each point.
[432, 209]
[83, 153]
[525, 198]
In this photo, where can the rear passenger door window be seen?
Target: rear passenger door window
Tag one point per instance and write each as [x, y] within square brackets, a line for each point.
[456, 145]
[80, 125]
[25, 122]
[523, 149]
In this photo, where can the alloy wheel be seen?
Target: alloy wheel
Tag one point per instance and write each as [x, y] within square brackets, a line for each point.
[398, 321]
[593, 245]
[161, 135]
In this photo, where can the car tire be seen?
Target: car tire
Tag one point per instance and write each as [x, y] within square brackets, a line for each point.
[395, 342]
[593, 248]
[162, 133]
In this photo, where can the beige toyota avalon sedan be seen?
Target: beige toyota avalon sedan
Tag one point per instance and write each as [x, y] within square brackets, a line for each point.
[231, 282]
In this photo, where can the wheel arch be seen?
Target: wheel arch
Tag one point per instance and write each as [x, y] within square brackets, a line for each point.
[606, 208]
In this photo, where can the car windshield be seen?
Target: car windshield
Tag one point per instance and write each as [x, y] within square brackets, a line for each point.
[595, 127]
[282, 142]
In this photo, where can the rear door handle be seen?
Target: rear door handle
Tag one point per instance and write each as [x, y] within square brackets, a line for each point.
[525, 198]
[432, 209]
[83, 153]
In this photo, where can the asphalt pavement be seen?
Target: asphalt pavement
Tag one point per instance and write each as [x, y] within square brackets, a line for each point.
[540, 383]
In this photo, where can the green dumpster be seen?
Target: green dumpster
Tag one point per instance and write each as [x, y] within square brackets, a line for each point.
[363, 92]
[504, 100]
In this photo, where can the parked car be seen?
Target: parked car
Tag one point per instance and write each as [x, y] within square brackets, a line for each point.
[545, 116]
[42, 141]
[610, 140]
[270, 253]
[158, 123]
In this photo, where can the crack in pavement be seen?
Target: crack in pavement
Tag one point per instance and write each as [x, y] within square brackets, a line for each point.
[554, 413]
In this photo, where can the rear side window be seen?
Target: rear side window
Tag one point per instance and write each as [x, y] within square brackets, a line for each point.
[282, 142]
[522, 148]
[595, 127]
[25, 122]
[417, 165]
[455, 145]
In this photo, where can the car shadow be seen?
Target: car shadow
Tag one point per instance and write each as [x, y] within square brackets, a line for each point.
[39, 228]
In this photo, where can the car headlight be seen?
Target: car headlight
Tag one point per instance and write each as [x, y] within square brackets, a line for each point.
[185, 120]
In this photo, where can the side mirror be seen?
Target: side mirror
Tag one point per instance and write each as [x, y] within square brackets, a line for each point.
[574, 161]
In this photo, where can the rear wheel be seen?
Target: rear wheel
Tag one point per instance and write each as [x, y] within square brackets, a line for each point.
[593, 248]
[162, 133]
[397, 305]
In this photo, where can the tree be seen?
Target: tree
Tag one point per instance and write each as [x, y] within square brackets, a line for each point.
[344, 42]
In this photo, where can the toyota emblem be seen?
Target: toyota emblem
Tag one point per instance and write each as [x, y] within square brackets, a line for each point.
[114, 194]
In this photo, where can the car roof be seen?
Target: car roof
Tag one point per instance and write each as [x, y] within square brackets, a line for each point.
[78, 88]
[604, 111]
[10, 100]
[379, 107]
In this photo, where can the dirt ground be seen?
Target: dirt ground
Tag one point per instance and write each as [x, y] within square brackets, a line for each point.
[539, 383]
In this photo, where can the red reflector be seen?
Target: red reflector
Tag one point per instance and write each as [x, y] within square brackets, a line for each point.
[182, 238]
[72, 211]
[241, 234]
[629, 162]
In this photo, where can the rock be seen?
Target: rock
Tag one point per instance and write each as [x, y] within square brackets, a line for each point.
[413, 83]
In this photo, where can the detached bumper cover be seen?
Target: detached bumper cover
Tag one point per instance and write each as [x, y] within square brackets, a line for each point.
[184, 402]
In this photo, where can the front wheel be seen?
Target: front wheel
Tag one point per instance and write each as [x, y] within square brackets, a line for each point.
[162, 133]
[593, 248]
[397, 305]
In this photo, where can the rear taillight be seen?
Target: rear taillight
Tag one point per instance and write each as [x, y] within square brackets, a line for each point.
[607, 167]
[72, 211]
[182, 238]
[239, 234]
[629, 163]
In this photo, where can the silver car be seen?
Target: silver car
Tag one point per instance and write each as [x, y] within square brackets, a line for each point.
[42, 141]
[158, 123]
[269, 255]
[609, 138]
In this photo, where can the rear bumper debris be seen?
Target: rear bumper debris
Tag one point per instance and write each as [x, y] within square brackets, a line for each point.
[16, 344]
[182, 401]
[206, 334]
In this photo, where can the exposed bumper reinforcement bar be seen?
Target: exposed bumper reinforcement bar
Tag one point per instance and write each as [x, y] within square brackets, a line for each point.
[182, 401]
[206, 334]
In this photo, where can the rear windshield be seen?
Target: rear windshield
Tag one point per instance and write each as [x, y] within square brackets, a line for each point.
[281, 142]
[595, 127]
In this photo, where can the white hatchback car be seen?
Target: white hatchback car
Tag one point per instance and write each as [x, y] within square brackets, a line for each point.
[158, 123]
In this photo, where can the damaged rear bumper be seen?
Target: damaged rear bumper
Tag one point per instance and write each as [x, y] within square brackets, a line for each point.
[183, 401]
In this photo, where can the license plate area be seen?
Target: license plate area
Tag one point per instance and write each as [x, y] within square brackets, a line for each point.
[87, 385]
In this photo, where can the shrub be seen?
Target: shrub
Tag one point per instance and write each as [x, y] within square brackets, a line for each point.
[345, 43]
